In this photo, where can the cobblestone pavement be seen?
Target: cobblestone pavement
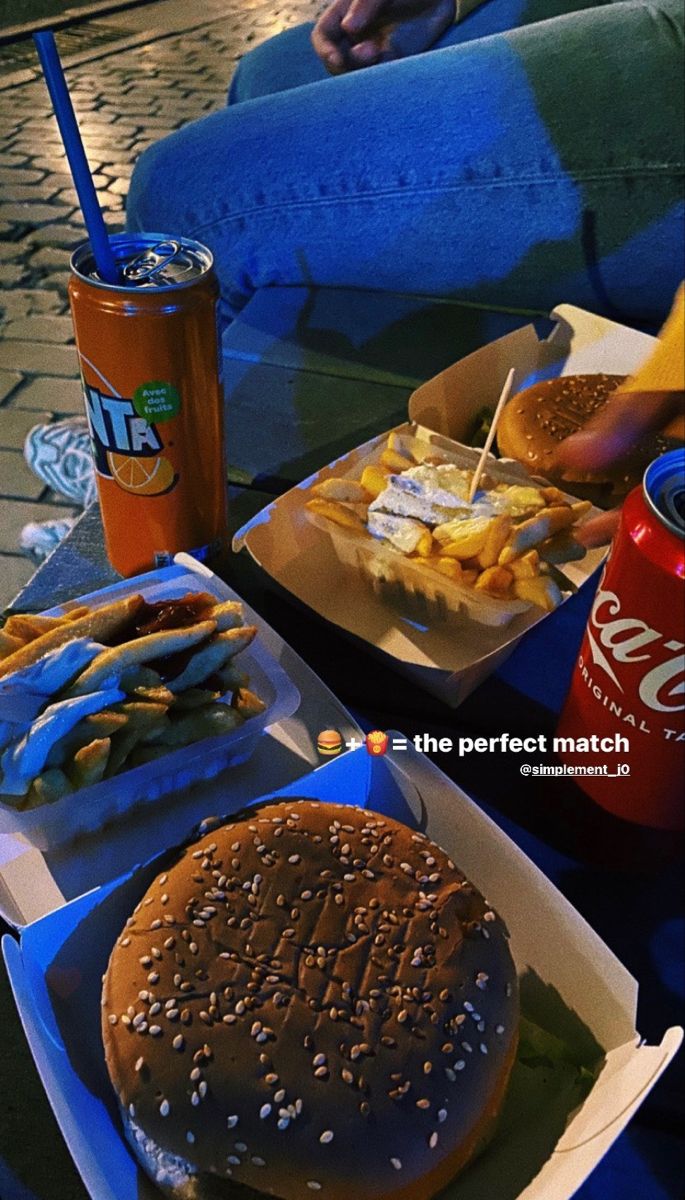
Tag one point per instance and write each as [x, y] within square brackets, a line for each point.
[123, 101]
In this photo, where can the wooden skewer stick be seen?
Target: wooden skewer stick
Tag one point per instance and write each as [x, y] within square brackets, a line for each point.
[506, 391]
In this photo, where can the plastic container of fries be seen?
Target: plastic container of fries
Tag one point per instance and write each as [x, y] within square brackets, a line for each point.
[91, 808]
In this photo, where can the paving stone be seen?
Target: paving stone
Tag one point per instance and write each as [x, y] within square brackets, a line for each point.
[25, 302]
[11, 273]
[64, 236]
[15, 572]
[10, 251]
[119, 187]
[39, 358]
[14, 514]
[56, 280]
[50, 256]
[53, 162]
[33, 192]
[38, 214]
[61, 396]
[17, 479]
[9, 380]
[11, 160]
[19, 175]
[15, 424]
[114, 220]
[41, 329]
[117, 170]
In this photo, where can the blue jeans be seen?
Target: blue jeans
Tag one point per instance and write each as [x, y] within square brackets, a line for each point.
[521, 162]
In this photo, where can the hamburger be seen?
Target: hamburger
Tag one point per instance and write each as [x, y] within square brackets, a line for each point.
[310, 999]
[329, 742]
[539, 418]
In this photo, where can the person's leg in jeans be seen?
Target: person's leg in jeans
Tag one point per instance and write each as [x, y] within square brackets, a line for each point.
[288, 59]
[522, 168]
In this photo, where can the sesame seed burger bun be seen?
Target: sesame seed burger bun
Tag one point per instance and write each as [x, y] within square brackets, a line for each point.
[539, 418]
[311, 1000]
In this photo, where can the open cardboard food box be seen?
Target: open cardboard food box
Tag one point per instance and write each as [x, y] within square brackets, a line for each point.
[447, 660]
[549, 1139]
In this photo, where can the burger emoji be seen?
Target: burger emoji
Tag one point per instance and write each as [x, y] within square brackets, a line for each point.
[329, 743]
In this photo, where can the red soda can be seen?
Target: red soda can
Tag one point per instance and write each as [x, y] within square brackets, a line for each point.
[629, 679]
[149, 358]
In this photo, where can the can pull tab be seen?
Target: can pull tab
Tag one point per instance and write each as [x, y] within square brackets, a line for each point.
[150, 262]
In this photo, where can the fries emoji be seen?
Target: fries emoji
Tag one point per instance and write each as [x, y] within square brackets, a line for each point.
[503, 546]
[116, 686]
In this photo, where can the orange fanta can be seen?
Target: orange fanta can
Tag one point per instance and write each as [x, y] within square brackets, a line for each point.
[149, 358]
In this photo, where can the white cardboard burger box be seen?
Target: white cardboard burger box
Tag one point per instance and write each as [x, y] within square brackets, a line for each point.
[542, 1151]
[446, 661]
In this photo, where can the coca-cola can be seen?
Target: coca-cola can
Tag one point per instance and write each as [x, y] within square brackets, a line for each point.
[628, 686]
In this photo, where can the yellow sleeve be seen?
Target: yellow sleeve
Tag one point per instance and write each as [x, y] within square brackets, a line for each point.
[464, 7]
[664, 370]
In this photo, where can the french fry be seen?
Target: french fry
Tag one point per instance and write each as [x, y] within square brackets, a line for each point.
[374, 480]
[497, 534]
[88, 764]
[138, 676]
[541, 590]
[247, 703]
[469, 576]
[463, 539]
[345, 490]
[26, 626]
[525, 567]
[144, 753]
[100, 624]
[336, 512]
[536, 530]
[398, 443]
[424, 546]
[580, 509]
[231, 677]
[552, 495]
[562, 548]
[228, 615]
[434, 460]
[46, 788]
[194, 697]
[145, 722]
[9, 644]
[93, 728]
[79, 610]
[114, 661]
[495, 580]
[395, 462]
[213, 657]
[200, 723]
[450, 567]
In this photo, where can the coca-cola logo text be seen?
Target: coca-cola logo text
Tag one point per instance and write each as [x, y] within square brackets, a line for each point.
[630, 640]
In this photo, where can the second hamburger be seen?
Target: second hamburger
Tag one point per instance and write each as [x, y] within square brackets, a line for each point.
[539, 418]
[311, 999]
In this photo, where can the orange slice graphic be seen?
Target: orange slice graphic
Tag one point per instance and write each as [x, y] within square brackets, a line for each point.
[141, 476]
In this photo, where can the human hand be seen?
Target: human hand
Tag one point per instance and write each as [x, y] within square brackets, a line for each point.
[615, 431]
[359, 33]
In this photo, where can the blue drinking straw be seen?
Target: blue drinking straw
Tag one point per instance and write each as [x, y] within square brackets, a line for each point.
[71, 137]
